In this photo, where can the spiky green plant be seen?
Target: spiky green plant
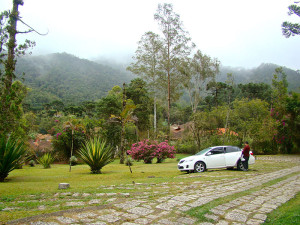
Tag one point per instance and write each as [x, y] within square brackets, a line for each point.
[46, 160]
[11, 152]
[96, 154]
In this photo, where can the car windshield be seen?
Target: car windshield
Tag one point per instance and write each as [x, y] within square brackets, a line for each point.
[203, 151]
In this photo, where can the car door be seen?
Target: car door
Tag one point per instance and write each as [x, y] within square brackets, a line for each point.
[215, 158]
[232, 154]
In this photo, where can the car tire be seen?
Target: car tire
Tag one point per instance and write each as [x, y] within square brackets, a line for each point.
[199, 167]
[240, 165]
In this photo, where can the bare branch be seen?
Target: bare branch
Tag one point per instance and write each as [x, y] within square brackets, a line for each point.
[31, 29]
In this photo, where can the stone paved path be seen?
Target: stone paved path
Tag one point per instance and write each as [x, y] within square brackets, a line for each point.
[165, 207]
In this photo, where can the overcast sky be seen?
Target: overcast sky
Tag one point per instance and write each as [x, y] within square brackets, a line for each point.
[239, 33]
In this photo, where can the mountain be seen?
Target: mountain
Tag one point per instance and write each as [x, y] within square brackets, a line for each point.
[261, 74]
[67, 78]
[72, 80]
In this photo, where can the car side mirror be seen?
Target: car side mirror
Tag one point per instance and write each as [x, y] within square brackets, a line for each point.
[209, 153]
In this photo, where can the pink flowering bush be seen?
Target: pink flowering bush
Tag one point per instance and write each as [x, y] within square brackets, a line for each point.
[148, 150]
[164, 151]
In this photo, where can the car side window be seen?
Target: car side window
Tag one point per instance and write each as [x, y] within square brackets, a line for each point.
[231, 149]
[216, 151]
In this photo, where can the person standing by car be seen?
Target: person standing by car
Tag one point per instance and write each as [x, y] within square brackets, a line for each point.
[246, 154]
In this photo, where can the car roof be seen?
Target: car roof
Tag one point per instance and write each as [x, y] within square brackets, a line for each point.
[223, 146]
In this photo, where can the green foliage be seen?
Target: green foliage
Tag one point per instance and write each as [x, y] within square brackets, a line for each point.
[138, 93]
[46, 160]
[176, 45]
[11, 110]
[68, 137]
[73, 160]
[186, 147]
[197, 73]
[12, 92]
[291, 29]
[129, 162]
[31, 163]
[96, 153]
[11, 152]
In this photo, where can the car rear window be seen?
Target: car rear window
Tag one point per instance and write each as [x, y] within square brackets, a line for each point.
[231, 149]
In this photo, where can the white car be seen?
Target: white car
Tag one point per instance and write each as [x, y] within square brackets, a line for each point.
[214, 157]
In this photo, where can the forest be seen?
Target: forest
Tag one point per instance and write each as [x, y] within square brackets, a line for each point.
[171, 91]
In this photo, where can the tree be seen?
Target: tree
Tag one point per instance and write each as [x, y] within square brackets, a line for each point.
[205, 124]
[124, 118]
[10, 100]
[146, 65]
[138, 93]
[74, 125]
[57, 106]
[250, 118]
[288, 28]
[176, 46]
[198, 72]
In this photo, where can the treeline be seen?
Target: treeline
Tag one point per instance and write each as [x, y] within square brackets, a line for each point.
[71, 80]
[267, 116]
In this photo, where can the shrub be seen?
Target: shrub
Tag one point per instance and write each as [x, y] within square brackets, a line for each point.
[147, 151]
[11, 152]
[128, 162]
[143, 150]
[46, 160]
[187, 147]
[96, 154]
[62, 143]
[31, 163]
[73, 161]
[164, 151]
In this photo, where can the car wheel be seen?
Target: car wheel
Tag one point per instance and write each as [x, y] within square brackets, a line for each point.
[240, 165]
[199, 167]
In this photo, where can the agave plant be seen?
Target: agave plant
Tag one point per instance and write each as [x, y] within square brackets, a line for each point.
[46, 160]
[11, 152]
[96, 154]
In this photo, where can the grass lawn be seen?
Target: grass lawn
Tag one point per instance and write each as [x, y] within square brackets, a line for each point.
[36, 180]
[39, 185]
[288, 213]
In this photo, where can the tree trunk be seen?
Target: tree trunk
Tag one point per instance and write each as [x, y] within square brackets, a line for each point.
[169, 91]
[122, 158]
[10, 65]
[154, 115]
[71, 150]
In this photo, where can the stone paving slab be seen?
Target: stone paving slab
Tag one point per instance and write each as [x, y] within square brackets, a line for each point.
[169, 209]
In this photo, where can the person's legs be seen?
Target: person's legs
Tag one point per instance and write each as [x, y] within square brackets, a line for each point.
[245, 163]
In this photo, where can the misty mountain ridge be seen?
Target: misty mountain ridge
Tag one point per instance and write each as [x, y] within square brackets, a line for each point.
[64, 77]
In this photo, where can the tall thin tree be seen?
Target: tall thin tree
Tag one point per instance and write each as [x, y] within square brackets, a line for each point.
[176, 45]
[10, 98]
[146, 64]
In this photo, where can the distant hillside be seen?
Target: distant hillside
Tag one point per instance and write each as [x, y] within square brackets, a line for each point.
[73, 80]
[67, 78]
[262, 74]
